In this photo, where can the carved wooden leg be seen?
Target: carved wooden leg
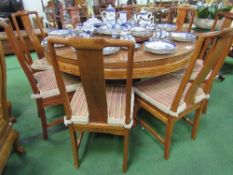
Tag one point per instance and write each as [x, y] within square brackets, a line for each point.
[196, 121]
[168, 136]
[9, 108]
[125, 155]
[74, 146]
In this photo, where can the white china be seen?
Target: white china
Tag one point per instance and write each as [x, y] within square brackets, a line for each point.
[167, 27]
[144, 18]
[44, 43]
[110, 50]
[60, 33]
[105, 30]
[139, 32]
[109, 14]
[182, 36]
[93, 22]
[122, 17]
[159, 47]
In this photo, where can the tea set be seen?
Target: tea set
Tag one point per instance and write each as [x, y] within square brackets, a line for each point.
[141, 24]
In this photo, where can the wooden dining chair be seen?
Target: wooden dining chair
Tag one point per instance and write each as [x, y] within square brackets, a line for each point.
[226, 21]
[43, 83]
[96, 106]
[9, 137]
[170, 99]
[41, 63]
[182, 13]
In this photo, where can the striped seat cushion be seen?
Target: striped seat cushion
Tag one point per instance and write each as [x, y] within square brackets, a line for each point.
[41, 64]
[116, 104]
[196, 70]
[161, 91]
[47, 84]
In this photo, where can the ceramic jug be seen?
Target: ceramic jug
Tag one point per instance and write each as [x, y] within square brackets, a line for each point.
[109, 15]
[144, 18]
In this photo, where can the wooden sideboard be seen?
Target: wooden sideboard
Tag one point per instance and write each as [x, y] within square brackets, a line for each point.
[6, 46]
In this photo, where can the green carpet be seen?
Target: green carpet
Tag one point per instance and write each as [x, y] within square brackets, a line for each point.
[210, 154]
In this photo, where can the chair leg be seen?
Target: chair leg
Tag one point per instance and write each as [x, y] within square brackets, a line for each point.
[205, 107]
[43, 123]
[196, 121]
[74, 146]
[135, 111]
[168, 136]
[18, 148]
[125, 155]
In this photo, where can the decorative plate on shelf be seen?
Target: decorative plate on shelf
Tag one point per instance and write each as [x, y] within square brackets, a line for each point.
[160, 47]
[183, 36]
[110, 50]
[167, 27]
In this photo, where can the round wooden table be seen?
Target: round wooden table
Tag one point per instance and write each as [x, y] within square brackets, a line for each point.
[145, 64]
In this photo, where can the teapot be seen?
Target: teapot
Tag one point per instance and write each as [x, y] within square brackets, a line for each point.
[143, 18]
[109, 15]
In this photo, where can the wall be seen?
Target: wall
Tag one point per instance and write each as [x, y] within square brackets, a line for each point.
[34, 5]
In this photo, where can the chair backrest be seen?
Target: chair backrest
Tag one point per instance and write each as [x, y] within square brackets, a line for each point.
[182, 13]
[3, 101]
[21, 53]
[91, 67]
[227, 20]
[25, 18]
[214, 59]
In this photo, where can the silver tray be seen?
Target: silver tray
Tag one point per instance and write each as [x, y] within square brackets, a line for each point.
[160, 47]
[183, 36]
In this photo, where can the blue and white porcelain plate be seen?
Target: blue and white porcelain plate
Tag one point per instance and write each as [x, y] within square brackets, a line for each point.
[167, 27]
[139, 31]
[110, 50]
[104, 30]
[183, 36]
[44, 43]
[160, 47]
[60, 33]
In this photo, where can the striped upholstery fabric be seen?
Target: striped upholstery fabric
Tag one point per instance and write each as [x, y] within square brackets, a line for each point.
[41, 64]
[47, 84]
[116, 104]
[196, 70]
[161, 91]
